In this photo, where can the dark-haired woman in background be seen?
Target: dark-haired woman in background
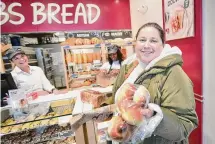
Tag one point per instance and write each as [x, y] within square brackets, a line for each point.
[115, 59]
[109, 70]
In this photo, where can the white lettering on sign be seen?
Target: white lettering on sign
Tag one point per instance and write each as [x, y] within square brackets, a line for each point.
[89, 13]
[51, 14]
[116, 34]
[38, 12]
[64, 14]
[90, 6]
[83, 35]
[10, 11]
[107, 34]
[6, 16]
[80, 11]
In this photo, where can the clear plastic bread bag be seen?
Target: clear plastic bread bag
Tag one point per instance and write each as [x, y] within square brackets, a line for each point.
[129, 125]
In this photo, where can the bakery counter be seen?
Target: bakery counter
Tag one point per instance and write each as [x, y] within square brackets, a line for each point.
[52, 126]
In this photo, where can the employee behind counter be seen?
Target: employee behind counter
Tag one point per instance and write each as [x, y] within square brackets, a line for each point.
[30, 78]
[109, 70]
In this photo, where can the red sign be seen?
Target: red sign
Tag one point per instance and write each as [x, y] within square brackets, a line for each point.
[64, 15]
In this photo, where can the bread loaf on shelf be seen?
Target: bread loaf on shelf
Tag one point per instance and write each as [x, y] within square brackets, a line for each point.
[93, 97]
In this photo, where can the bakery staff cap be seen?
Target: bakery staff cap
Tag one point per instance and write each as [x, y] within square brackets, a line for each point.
[13, 52]
[112, 49]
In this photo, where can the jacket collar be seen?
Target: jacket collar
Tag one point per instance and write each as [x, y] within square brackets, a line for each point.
[165, 63]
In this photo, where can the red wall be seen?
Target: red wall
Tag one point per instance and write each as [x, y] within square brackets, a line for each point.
[192, 56]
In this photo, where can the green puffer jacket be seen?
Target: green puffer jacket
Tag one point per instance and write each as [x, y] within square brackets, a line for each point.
[172, 90]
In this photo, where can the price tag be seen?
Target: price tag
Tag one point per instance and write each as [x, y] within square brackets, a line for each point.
[64, 120]
[103, 125]
[65, 134]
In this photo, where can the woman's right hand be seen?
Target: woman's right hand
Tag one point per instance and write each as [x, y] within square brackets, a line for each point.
[148, 113]
[114, 72]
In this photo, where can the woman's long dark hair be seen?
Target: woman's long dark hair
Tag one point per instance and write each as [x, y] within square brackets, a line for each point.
[119, 57]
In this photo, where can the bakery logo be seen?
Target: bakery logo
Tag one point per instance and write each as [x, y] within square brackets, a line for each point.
[51, 12]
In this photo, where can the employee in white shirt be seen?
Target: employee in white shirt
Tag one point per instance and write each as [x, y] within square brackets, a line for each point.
[31, 78]
[115, 59]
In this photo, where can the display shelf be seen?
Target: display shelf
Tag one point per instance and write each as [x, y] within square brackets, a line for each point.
[57, 109]
[81, 59]
[7, 63]
[51, 126]
[45, 62]
[8, 70]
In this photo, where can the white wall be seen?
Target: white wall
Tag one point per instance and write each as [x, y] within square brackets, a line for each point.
[208, 72]
[153, 14]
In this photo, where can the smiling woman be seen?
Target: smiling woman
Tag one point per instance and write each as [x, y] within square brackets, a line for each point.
[149, 42]
[29, 78]
[159, 70]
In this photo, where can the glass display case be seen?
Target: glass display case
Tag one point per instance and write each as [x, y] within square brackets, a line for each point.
[39, 127]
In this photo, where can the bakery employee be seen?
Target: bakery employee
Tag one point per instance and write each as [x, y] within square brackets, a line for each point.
[115, 59]
[30, 77]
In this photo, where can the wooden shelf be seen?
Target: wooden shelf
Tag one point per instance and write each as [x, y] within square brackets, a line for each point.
[80, 47]
[7, 63]
[83, 77]
[34, 61]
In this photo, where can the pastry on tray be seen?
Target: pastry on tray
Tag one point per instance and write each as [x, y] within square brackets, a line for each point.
[67, 111]
[44, 122]
[53, 121]
[60, 103]
[56, 115]
[50, 142]
[51, 114]
[36, 139]
[70, 140]
[9, 121]
[3, 124]
[6, 130]
[26, 126]
[35, 124]
[16, 128]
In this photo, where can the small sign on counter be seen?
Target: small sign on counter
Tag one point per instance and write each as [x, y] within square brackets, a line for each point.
[64, 120]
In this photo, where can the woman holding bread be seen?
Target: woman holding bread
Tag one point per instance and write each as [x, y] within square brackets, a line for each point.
[157, 66]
